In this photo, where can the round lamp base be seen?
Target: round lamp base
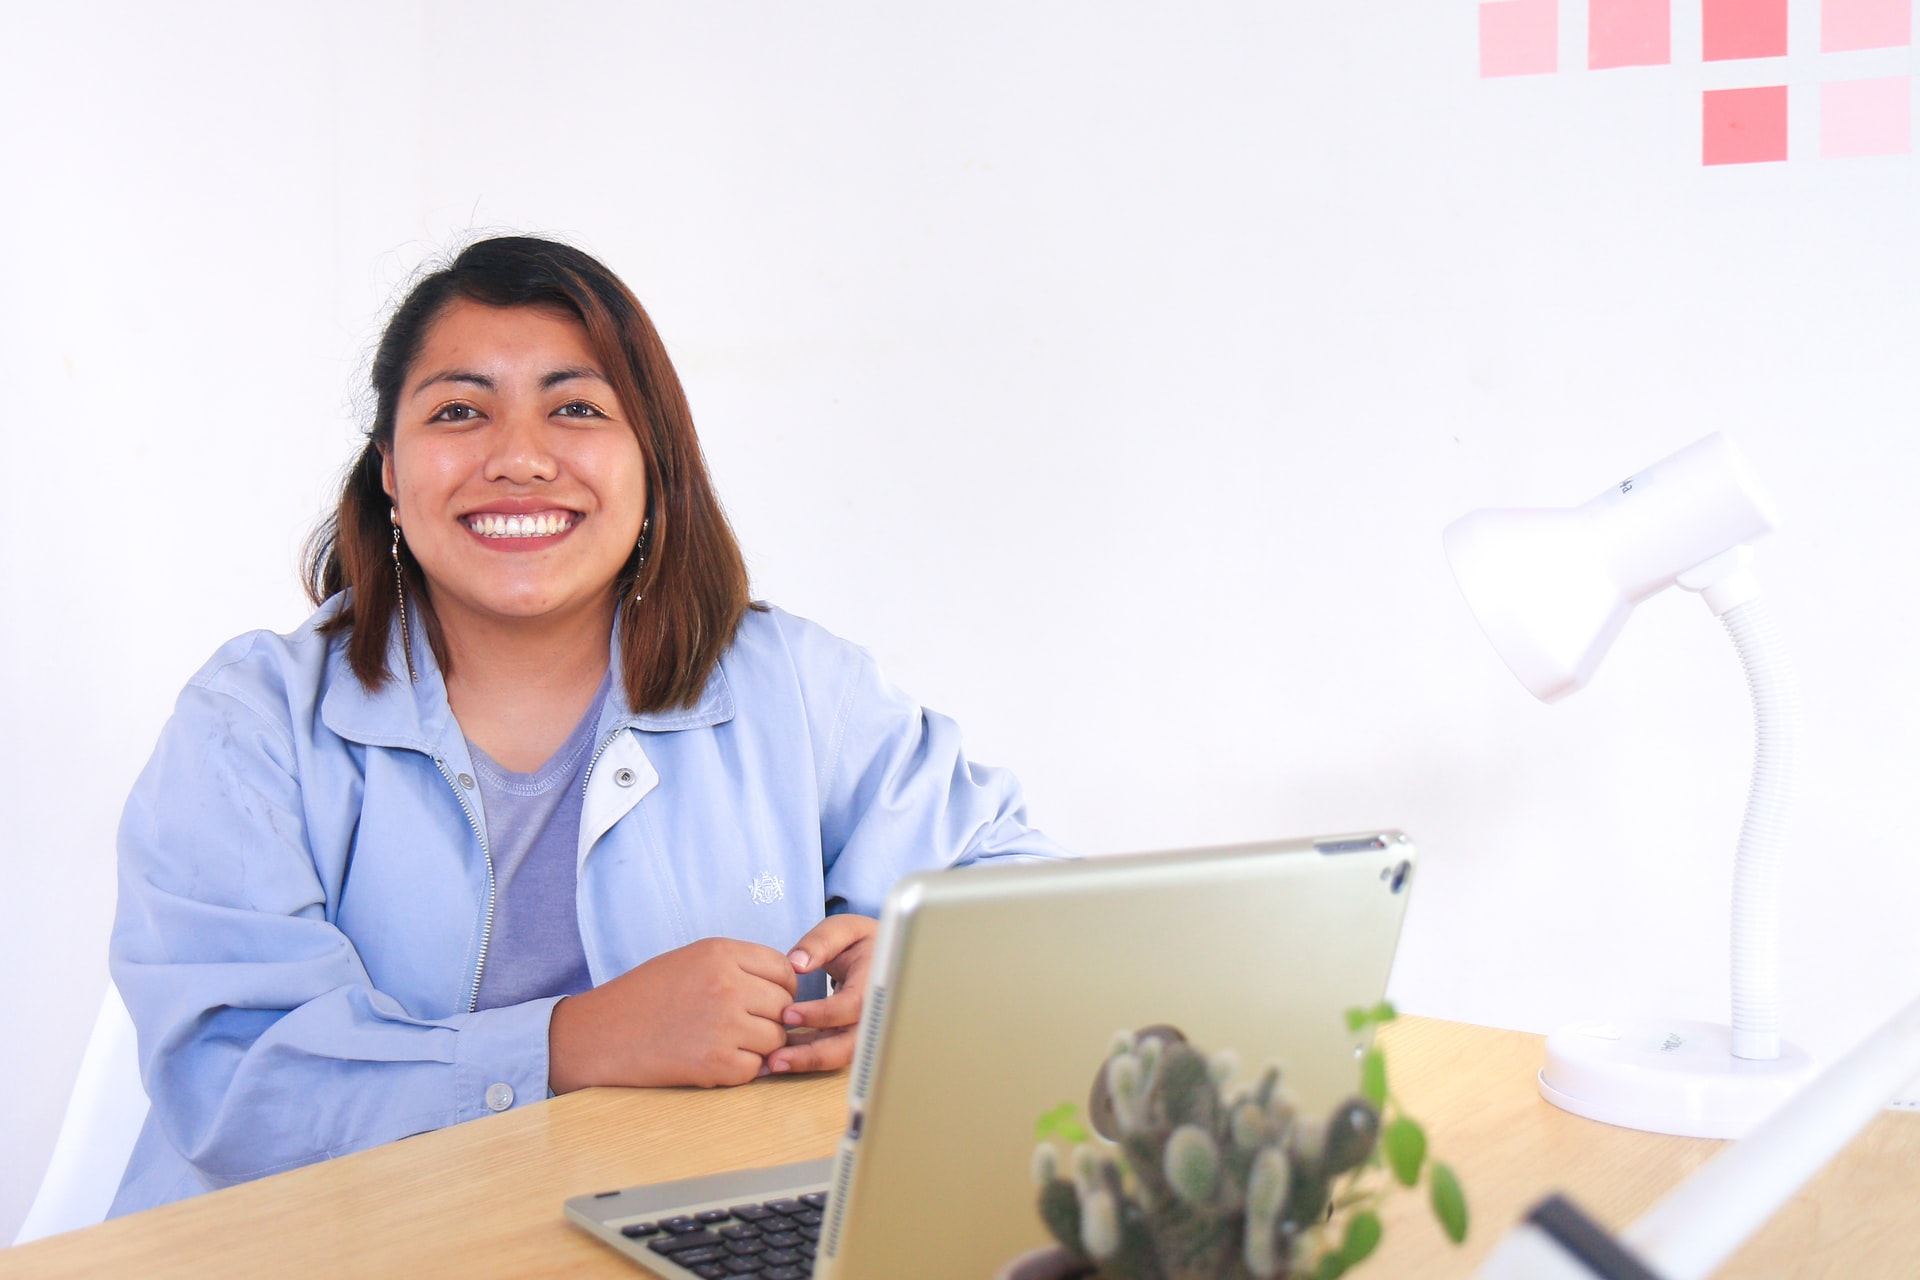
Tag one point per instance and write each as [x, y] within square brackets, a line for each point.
[1667, 1077]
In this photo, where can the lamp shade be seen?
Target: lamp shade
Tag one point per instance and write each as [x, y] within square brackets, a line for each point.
[1552, 588]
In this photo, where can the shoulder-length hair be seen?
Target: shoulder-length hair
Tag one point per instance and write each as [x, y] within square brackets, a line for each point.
[694, 581]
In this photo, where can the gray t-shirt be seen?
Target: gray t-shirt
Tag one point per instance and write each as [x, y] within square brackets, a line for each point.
[533, 831]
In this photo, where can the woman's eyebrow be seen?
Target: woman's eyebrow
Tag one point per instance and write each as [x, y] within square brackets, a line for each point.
[469, 378]
[571, 372]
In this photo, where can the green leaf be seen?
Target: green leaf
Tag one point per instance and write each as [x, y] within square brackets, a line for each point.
[1332, 1267]
[1060, 1122]
[1406, 1144]
[1363, 1234]
[1380, 1013]
[1373, 1078]
[1449, 1202]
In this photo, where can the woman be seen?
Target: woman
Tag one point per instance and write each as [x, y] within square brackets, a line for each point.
[536, 800]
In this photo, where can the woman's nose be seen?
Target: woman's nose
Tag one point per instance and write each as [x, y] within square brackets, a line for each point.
[521, 452]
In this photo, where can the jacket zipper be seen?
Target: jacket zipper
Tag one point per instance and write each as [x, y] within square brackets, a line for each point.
[598, 751]
[486, 930]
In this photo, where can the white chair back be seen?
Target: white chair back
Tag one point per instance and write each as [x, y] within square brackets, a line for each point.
[103, 1119]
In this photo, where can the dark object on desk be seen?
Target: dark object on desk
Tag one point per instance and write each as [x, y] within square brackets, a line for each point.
[772, 1240]
[750, 1223]
[757, 1240]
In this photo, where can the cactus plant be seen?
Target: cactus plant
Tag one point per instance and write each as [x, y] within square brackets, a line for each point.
[1199, 1181]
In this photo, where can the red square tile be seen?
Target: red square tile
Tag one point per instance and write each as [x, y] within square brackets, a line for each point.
[1519, 37]
[1732, 29]
[1866, 117]
[1743, 126]
[1629, 33]
[1864, 24]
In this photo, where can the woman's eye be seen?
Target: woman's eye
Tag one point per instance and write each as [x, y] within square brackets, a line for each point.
[455, 413]
[579, 409]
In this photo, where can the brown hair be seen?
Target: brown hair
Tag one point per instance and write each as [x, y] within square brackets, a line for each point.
[694, 579]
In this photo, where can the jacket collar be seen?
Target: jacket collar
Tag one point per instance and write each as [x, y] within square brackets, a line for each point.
[416, 715]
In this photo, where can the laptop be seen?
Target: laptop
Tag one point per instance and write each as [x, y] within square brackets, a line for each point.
[994, 996]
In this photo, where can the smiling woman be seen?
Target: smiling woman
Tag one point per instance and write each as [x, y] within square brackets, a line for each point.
[537, 799]
[520, 490]
[515, 447]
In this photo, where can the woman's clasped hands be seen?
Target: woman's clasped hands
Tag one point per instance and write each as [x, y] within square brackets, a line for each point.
[716, 1012]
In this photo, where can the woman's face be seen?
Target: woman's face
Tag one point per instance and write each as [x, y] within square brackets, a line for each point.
[518, 480]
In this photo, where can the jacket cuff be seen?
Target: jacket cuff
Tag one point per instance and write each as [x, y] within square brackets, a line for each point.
[500, 1058]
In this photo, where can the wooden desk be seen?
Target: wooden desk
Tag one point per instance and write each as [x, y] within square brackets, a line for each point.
[483, 1198]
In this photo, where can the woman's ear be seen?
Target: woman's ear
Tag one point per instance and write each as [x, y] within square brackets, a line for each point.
[386, 474]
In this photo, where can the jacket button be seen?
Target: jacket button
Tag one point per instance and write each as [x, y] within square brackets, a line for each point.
[466, 780]
[623, 777]
[499, 1096]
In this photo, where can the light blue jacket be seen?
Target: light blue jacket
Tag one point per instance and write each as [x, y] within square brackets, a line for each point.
[306, 893]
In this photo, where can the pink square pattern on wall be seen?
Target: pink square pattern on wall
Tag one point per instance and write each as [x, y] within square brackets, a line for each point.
[1864, 24]
[1629, 33]
[1519, 37]
[1744, 126]
[1865, 118]
[1731, 29]
[1738, 126]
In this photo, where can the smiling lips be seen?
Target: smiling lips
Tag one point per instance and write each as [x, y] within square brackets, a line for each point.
[544, 524]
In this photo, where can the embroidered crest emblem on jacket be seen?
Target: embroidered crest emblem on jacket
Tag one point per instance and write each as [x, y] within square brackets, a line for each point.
[768, 888]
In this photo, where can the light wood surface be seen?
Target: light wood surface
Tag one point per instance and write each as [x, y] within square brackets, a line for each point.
[479, 1199]
[483, 1198]
[1474, 1090]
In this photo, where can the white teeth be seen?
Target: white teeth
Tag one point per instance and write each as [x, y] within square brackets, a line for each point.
[540, 526]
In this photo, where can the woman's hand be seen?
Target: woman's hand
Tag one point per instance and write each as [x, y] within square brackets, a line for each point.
[822, 1031]
[707, 1014]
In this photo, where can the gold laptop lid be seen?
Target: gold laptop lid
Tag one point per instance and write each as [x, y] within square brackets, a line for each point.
[998, 990]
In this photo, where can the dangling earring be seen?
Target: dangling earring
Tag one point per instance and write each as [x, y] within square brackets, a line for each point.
[646, 527]
[400, 589]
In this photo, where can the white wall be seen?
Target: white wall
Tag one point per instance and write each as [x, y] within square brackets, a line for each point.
[1109, 370]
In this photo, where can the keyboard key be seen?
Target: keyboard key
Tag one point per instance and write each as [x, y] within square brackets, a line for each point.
[814, 1199]
[788, 1207]
[635, 1230]
[711, 1216]
[740, 1231]
[746, 1248]
[783, 1273]
[711, 1271]
[781, 1257]
[680, 1225]
[742, 1266]
[700, 1257]
[751, 1212]
[696, 1239]
[807, 1217]
[783, 1239]
[810, 1233]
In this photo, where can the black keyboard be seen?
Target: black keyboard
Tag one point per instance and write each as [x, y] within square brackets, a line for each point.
[772, 1240]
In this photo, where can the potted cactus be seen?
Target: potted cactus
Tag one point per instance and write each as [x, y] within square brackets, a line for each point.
[1197, 1179]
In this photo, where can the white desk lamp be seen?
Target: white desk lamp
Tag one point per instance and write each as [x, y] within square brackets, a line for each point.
[1552, 588]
